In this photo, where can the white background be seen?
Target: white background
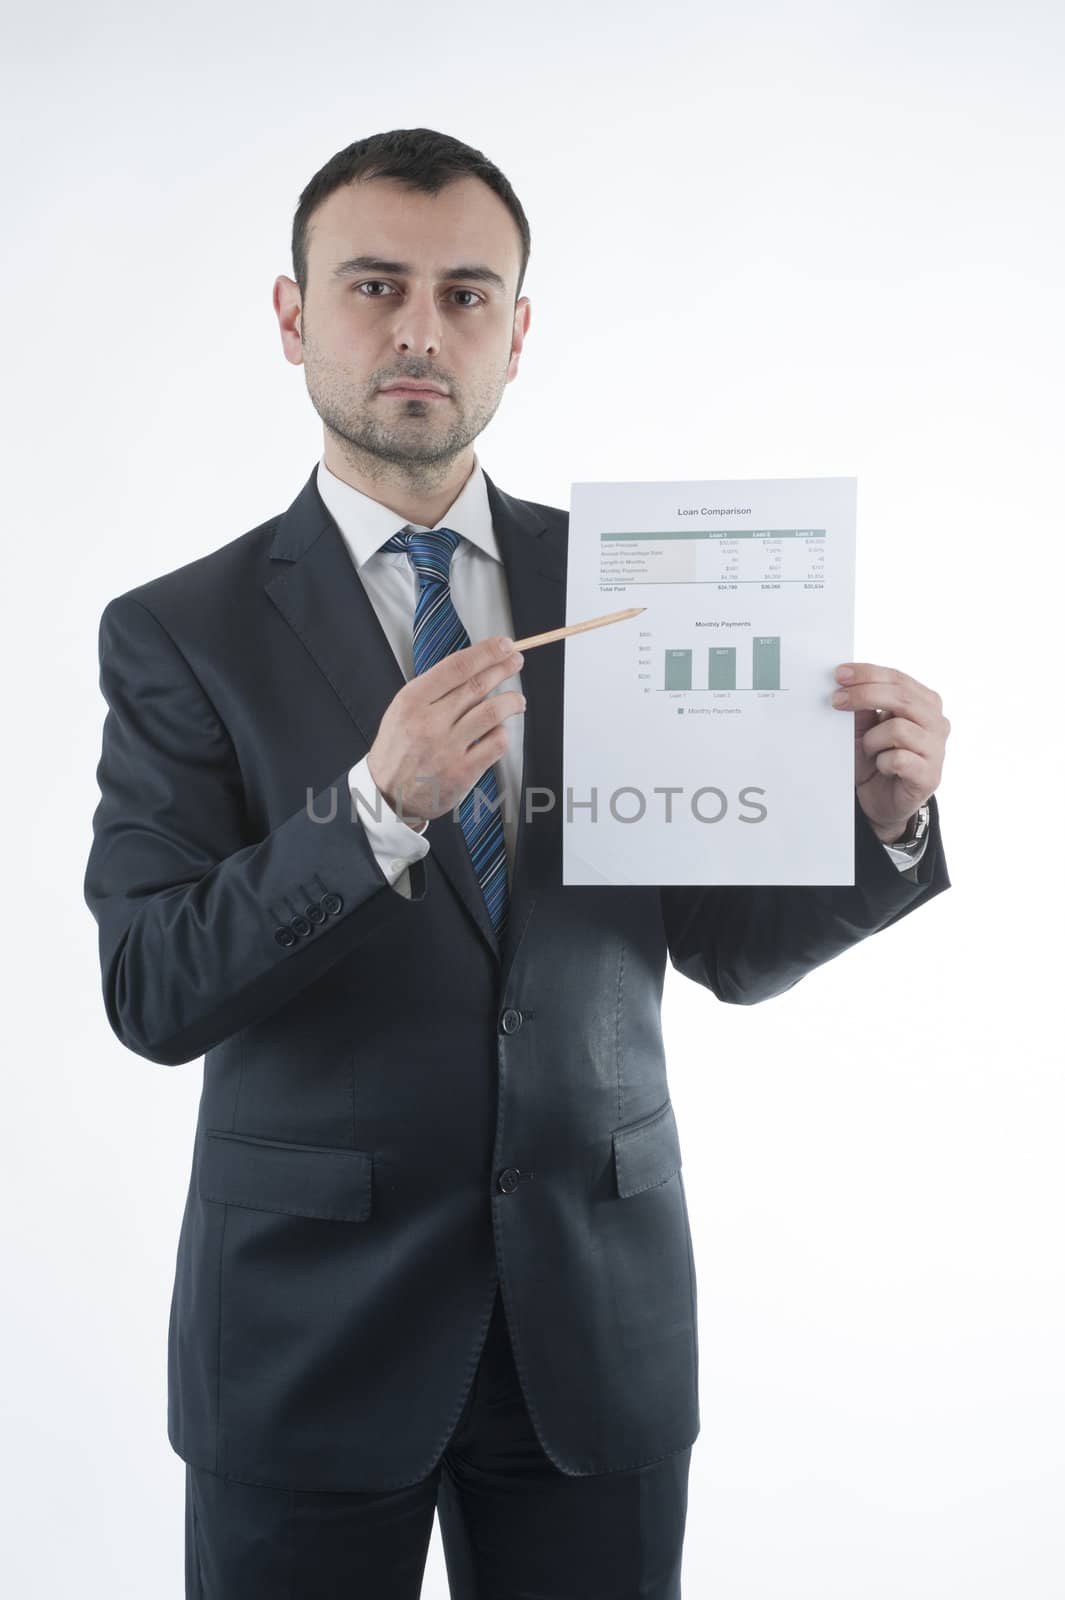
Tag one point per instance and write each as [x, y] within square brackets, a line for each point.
[768, 240]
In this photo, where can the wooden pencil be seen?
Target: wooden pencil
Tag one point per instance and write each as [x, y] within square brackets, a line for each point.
[576, 627]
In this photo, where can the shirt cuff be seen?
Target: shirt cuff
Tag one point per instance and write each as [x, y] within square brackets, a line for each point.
[394, 843]
[907, 858]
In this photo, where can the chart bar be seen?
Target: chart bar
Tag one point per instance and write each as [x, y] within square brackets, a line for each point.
[765, 661]
[678, 669]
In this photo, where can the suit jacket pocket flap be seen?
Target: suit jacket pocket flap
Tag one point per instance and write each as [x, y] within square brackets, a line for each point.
[303, 1180]
[647, 1153]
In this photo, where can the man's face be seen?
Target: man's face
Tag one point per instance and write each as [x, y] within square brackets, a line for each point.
[364, 326]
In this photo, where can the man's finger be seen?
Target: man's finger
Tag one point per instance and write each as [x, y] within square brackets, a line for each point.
[872, 672]
[453, 670]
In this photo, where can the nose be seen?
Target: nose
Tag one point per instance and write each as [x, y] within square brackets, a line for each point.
[417, 326]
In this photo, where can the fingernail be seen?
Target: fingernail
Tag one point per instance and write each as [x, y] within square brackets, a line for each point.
[840, 697]
[844, 674]
[505, 646]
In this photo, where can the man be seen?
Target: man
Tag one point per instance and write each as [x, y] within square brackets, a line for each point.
[435, 1250]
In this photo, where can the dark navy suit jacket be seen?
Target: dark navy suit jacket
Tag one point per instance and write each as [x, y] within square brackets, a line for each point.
[395, 1111]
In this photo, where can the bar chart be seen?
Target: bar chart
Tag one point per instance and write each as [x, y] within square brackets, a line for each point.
[714, 666]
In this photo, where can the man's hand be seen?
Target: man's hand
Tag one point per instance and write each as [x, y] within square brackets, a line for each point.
[444, 729]
[900, 737]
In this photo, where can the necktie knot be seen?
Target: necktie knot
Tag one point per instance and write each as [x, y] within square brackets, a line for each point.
[429, 551]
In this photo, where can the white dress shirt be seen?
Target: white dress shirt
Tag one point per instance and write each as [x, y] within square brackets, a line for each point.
[480, 596]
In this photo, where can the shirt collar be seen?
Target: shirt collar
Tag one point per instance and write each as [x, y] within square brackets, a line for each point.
[365, 524]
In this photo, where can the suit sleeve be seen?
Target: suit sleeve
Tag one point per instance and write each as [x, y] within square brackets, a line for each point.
[747, 943]
[203, 928]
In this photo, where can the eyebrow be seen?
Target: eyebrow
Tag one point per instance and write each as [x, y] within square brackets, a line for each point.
[480, 274]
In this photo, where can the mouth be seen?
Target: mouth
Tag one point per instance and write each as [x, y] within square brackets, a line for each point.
[415, 391]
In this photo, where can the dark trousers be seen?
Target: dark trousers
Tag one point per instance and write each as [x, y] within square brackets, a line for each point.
[513, 1526]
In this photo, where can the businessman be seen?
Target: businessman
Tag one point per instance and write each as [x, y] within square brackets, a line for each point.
[435, 1251]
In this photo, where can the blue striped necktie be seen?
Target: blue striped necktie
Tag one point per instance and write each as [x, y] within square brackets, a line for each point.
[438, 630]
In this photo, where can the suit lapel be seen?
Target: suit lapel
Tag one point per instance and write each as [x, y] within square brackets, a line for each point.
[316, 588]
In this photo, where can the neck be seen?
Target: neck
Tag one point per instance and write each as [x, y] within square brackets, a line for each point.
[418, 494]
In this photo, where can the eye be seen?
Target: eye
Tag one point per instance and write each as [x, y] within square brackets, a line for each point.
[371, 283]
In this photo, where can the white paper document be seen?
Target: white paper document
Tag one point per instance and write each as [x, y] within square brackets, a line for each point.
[700, 743]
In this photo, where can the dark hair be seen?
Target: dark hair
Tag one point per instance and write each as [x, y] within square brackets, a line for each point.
[419, 157]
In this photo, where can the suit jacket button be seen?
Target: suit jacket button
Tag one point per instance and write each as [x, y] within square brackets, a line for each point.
[331, 903]
[301, 926]
[509, 1179]
[315, 914]
[285, 936]
[511, 1020]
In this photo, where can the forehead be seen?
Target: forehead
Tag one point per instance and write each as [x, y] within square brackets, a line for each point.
[465, 221]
